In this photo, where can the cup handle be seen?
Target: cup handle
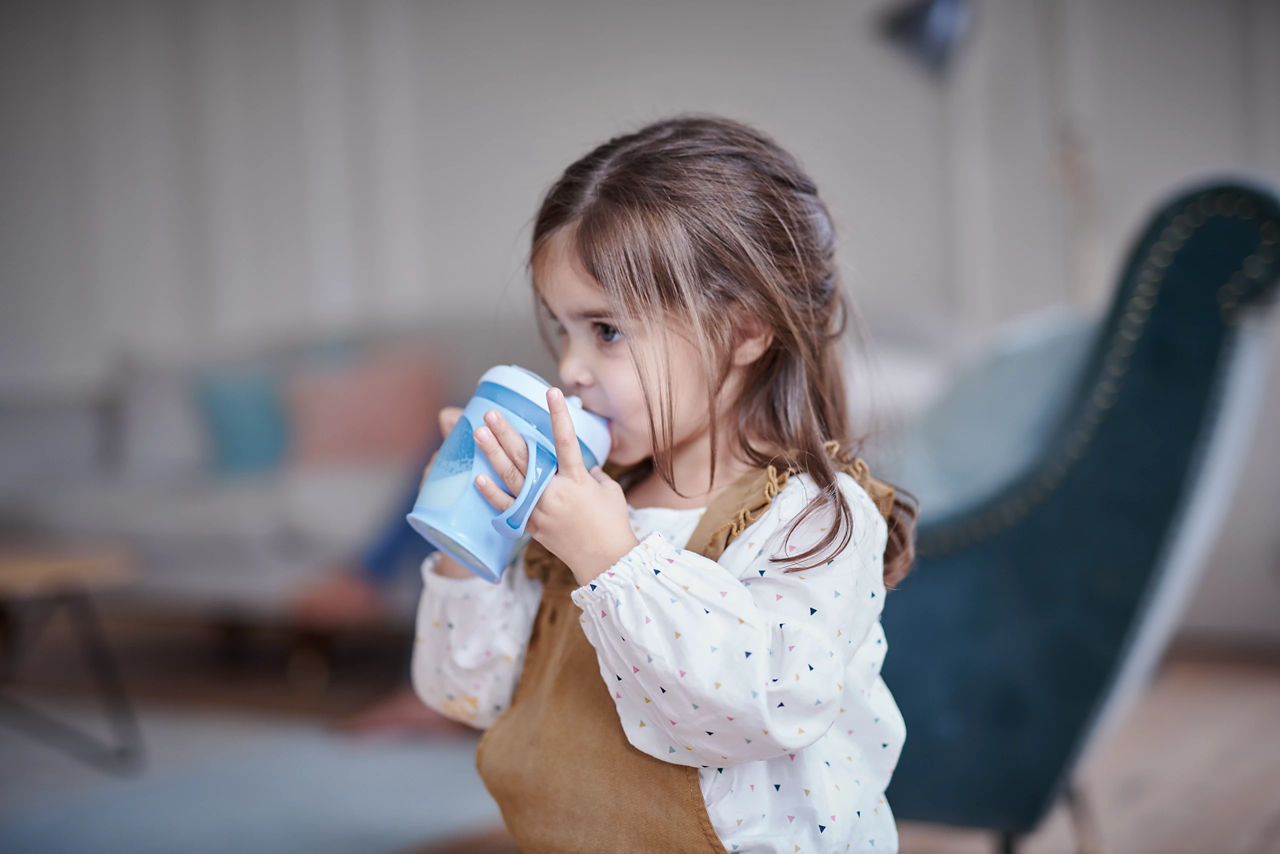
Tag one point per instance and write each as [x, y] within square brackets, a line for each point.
[511, 522]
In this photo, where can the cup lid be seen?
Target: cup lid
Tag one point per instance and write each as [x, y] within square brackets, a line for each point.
[592, 429]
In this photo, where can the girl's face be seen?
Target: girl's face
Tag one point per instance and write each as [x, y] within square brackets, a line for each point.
[596, 363]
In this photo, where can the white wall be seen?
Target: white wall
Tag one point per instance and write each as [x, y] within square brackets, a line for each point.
[199, 177]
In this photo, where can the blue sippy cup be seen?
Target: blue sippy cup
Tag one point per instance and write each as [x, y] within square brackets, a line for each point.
[450, 511]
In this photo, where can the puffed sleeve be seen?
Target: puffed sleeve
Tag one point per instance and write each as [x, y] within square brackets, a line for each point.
[715, 663]
[471, 641]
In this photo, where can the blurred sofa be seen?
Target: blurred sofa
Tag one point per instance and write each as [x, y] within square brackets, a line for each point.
[234, 480]
[238, 479]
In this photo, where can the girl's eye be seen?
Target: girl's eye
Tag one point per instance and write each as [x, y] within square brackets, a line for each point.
[606, 333]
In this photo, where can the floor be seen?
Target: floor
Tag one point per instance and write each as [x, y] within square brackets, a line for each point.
[1194, 767]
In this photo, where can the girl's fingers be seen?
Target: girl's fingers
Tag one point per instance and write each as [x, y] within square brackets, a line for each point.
[502, 463]
[493, 493]
[510, 440]
[568, 454]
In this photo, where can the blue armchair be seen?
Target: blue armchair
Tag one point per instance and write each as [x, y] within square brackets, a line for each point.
[1069, 489]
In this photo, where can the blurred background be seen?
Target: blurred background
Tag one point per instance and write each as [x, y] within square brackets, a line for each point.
[248, 250]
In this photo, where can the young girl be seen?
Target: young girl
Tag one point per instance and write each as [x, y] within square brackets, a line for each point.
[687, 655]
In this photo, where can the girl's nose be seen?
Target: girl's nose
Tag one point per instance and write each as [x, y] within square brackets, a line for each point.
[574, 372]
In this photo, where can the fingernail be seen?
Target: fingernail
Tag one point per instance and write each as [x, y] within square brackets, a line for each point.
[481, 480]
[491, 416]
[482, 434]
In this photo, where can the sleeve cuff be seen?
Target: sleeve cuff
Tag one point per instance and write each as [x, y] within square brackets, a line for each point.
[647, 558]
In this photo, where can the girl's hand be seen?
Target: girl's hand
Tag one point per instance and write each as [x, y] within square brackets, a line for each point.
[582, 517]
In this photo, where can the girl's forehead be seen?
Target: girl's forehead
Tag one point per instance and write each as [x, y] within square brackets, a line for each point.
[570, 295]
[562, 282]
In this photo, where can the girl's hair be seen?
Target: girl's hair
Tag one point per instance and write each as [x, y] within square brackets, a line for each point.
[704, 227]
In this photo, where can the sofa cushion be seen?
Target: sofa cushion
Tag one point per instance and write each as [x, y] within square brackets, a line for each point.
[244, 418]
[380, 406]
[160, 432]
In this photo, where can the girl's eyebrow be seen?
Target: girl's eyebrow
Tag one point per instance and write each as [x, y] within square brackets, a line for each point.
[583, 315]
[588, 315]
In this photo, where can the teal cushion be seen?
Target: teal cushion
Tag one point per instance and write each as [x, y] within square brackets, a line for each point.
[244, 419]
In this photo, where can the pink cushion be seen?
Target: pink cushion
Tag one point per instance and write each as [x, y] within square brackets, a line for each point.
[381, 405]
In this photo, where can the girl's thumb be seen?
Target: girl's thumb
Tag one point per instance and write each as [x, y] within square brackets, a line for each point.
[448, 419]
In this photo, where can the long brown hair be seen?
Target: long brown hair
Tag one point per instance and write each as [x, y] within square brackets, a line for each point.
[707, 222]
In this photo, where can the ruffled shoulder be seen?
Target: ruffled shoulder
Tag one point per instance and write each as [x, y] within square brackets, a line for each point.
[743, 503]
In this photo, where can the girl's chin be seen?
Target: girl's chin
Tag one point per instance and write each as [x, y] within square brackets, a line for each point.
[624, 456]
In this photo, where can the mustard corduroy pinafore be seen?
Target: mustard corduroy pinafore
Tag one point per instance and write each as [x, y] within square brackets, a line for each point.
[557, 760]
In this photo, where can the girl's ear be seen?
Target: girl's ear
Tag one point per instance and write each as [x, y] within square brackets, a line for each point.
[752, 338]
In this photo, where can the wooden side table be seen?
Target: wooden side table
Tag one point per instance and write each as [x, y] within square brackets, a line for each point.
[36, 579]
